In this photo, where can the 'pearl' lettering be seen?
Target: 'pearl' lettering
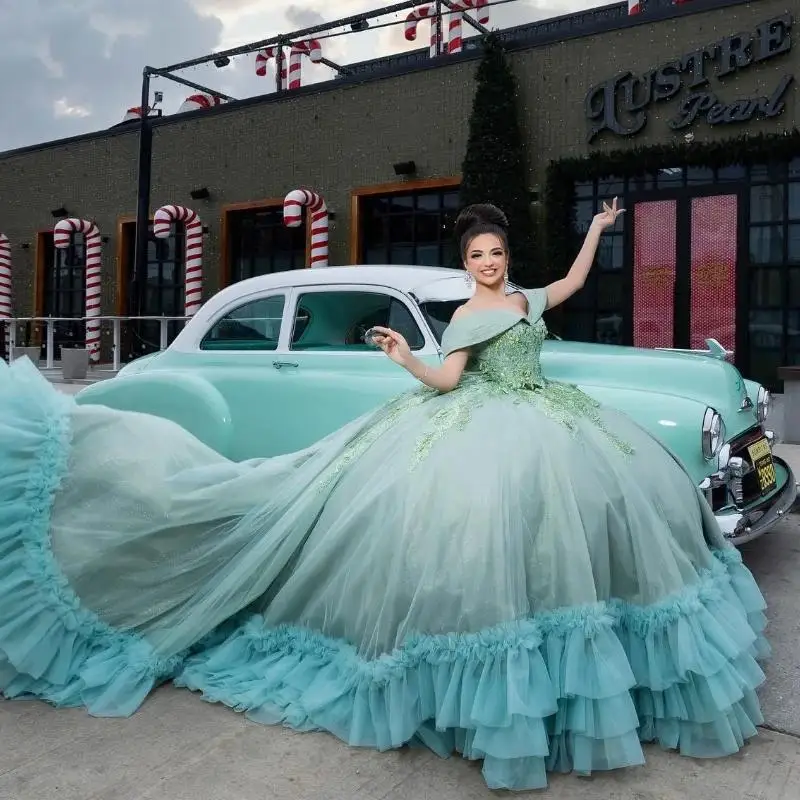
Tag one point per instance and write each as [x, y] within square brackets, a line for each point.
[620, 104]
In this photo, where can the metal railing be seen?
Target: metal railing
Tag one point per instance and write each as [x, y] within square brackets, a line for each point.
[12, 324]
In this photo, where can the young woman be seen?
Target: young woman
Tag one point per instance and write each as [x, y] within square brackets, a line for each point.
[492, 564]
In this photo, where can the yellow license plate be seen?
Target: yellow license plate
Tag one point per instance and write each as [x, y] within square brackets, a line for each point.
[761, 457]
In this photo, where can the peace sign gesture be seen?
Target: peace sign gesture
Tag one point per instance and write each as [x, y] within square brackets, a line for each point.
[608, 216]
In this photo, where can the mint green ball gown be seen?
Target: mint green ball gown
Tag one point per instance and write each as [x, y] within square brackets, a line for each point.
[507, 571]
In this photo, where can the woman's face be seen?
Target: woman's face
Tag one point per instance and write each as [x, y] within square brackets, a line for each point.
[486, 259]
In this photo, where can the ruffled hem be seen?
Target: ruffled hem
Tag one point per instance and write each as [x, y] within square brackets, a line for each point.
[573, 690]
[51, 647]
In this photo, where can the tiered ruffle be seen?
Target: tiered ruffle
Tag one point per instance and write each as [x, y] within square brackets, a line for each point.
[571, 690]
[576, 689]
[52, 647]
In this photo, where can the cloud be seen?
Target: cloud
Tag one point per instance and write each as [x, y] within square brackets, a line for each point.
[300, 17]
[73, 67]
[77, 66]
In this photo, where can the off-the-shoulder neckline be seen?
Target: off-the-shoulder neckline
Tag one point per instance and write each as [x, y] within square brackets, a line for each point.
[516, 312]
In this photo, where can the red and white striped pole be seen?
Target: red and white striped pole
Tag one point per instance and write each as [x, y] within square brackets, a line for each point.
[62, 236]
[5, 292]
[412, 23]
[293, 217]
[455, 41]
[162, 225]
[263, 57]
[311, 48]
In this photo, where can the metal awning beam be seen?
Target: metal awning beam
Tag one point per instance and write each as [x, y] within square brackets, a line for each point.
[286, 39]
[191, 84]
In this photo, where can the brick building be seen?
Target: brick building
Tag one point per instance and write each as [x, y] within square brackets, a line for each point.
[688, 112]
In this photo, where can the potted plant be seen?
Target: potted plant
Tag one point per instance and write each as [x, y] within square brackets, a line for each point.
[74, 362]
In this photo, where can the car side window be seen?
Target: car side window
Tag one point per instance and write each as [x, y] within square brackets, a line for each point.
[255, 325]
[338, 320]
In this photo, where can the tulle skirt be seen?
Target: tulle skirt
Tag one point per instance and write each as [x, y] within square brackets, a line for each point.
[467, 572]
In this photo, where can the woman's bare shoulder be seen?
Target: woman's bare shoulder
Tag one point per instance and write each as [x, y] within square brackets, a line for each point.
[462, 311]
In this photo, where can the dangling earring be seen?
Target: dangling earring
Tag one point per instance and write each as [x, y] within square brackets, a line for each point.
[468, 279]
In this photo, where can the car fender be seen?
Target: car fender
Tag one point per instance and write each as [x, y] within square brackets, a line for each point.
[675, 421]
[188, 400]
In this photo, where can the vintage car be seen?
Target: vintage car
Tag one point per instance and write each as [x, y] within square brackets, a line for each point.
[271, 364]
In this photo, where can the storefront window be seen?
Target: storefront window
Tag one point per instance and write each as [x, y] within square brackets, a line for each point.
[774, 252]
[161, 293]
[65, 290]
[767, 318]
[410, 228]
[597, 312]
[259, 243]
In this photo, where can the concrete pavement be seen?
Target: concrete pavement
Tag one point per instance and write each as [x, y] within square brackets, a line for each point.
[178, 747]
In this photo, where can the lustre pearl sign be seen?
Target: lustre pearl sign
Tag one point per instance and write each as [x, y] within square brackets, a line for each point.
[620, 105]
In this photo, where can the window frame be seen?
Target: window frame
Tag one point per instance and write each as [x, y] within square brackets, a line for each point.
[72, 331]
[231, 216]
[429, 346]
[388, 191]
[233, 305]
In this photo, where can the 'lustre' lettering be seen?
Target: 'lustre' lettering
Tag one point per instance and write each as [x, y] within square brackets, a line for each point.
[619, 105]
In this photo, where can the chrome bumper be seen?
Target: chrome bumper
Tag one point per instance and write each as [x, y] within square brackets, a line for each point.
[741, 527]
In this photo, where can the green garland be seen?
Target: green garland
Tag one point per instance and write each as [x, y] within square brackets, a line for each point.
[562, 175]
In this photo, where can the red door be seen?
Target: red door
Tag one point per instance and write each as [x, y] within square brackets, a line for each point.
[683, 275]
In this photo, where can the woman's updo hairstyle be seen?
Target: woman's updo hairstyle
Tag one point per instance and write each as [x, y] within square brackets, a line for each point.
[478, 219]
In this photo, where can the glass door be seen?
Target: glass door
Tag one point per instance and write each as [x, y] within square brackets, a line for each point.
[684, 251]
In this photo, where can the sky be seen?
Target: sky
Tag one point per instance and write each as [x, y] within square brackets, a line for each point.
[73, 66]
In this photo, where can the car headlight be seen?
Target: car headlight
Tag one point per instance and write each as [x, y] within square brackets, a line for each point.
[713, 433]
[763, 403]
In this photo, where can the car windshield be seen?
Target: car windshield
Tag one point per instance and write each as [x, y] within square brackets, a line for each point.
[438, 314]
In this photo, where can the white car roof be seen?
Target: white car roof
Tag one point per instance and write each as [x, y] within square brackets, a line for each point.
[443, 282]
[402, 277]
[426, 283]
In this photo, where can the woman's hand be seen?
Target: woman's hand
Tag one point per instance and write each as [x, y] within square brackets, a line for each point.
[393, 344]
[608, 216]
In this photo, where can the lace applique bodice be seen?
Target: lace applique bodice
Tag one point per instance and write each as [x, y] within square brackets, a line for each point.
[506, 365]
[512, 359]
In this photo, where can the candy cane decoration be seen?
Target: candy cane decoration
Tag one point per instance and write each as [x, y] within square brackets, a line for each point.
[62, 236]
[132, 114]
[416, 16]
[5, 291]
[197, 101]
[263, 56]
[162, 224]
[311, 48]
[293, 216]
[455, 42]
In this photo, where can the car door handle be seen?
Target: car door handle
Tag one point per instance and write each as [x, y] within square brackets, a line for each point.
[279, 364]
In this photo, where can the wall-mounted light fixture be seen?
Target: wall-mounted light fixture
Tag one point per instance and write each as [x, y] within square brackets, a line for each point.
[199, 194]
[60, 212]
[404, 168]
[219, 63]
[25, 246]
[359, 25]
